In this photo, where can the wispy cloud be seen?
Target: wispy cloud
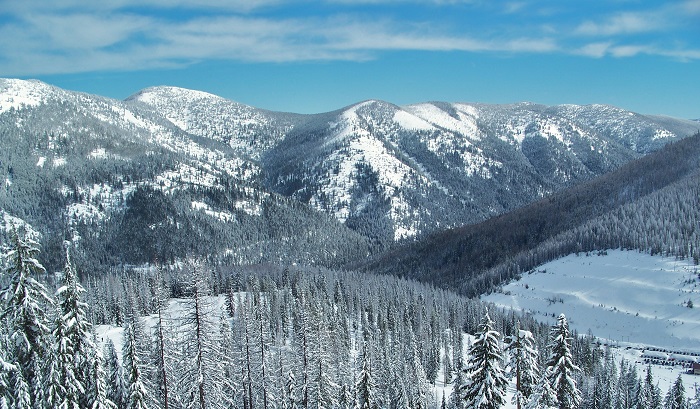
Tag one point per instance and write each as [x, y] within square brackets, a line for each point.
[69, 36]
[623, 23]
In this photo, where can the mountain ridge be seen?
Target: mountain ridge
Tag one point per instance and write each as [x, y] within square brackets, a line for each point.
[385, 172]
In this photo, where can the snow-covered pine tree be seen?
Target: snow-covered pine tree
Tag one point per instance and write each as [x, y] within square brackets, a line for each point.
[628, 386]
[523, 364]
[458, 381]
[364, 388]
[560, 366]
[69, 388]
[21, 397]
[290, 401]
[322, 387]
[160, 359]
[650, 398]
[230, 373]
[543, 396]
[77, 328]
[675, 398]
[23, 312]
[138, 398]
[117, 387]
[485, 386]
[98, 395]
[200, 372]
[6, 370]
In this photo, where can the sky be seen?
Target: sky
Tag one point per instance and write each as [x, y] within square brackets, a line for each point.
[317, 56]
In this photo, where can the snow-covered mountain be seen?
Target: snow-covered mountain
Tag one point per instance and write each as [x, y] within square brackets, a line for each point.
[386, 172]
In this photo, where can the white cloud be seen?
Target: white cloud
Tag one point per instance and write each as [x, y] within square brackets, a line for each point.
[50, 37]
[623, 23]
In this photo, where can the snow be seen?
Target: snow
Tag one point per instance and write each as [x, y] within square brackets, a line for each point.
[412, 122]
[624, 296]
[464, 124]
[99, 153]
[41, 161]
[17, 94]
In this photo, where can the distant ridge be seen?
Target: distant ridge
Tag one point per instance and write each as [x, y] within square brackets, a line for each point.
[475, 258]
[246, 185]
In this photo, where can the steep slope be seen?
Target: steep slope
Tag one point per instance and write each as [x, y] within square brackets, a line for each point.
[249, 131]
[128, 186]
[595, 214]
[397, 172]
[250, 185]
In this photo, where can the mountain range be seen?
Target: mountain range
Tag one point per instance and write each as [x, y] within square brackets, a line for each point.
[170, 172]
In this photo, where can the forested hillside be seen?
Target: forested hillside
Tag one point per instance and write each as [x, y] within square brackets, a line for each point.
[171, 173]
[649, 204]
[263, 337]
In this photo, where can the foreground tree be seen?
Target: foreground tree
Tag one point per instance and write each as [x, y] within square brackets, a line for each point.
[485, 387]
[24, 305]
[675, 398]
[560, 366]
[365, 383]
[74, 347]
[523, 367]
[650, 395]
[137, 398]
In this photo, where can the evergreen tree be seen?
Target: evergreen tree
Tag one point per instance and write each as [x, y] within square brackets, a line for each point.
[560, 366]
[24, 302]
[291, 399]
[74, 335]
[649, 396]
[675, 398]
[523, 364]
[486, 383]
[365, 383]
[118, 389]
[137, 390]
[98, 397]
[21, 398]
[69, 388]
[543, 396]
[6, 370]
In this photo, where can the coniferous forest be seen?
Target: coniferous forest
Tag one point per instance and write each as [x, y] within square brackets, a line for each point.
[193, 336]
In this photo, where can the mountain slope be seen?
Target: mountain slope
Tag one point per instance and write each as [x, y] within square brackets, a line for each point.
[398, 172]
[224, 173]
[474, 258]
[128, 186]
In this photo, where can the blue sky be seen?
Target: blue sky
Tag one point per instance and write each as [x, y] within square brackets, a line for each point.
[314, 56]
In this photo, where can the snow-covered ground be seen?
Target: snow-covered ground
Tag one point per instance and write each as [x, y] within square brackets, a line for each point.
[625, 298]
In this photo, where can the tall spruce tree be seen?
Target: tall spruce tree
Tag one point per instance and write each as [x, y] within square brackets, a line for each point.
[650, 398]
[523, 364]
[24, 304]
[486, 383]
[138, 398]
[560, 366]
[675, 398]
[73, 324]
[365, 383]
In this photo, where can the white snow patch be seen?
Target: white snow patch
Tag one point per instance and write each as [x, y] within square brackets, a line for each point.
[18, 94]
[623, 296]
[99, 153]
[41, 161]
[409, 121]
[59, 162]
[465, 123]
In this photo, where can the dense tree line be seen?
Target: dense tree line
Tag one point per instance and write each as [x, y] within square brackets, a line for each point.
[647, 204]
[294, 337]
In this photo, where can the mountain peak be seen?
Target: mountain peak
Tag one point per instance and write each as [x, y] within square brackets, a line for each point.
[16, 93]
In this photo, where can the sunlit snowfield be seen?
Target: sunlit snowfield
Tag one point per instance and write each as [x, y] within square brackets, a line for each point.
[624, 296]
